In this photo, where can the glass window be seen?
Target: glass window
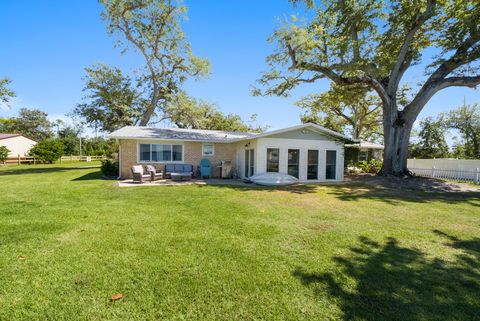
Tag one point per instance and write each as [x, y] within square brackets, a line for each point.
[208, 149]
[293, 162]
[272, 159]
[331, 164]
[160, 153]
[363, 156]
[312, 164]
[177, 153]
[144, 152]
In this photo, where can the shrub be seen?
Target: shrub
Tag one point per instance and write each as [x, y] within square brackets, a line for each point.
[109, 168]
[3, 153]
[372, 167]
[48, 150]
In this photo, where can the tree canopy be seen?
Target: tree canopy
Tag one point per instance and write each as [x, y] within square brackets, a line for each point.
[466, 119]
[348, 110]
[5, 92]
[111, 100]
[188, 112]
[31, 123]
[153, 28]
[373, 44]
[432, 143]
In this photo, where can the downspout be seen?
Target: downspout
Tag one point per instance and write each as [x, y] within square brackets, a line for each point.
[119, 158]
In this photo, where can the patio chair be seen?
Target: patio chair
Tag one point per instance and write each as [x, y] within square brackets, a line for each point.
[205, 168]
[139, 174]
[154, 175]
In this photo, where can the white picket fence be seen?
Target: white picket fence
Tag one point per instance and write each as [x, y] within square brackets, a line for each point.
[456, 169]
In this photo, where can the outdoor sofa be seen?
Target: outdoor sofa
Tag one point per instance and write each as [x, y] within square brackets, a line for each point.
[186, 170]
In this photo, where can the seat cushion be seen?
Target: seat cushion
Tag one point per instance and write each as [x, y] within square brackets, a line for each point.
[170, 168]
[137, 169]
[187, 168]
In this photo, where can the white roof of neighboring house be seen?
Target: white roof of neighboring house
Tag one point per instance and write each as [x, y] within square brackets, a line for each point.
[367, 145]
[9, 135]
[218, 136]
[5, 136]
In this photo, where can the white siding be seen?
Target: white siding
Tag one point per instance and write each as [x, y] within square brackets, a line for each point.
[261, 145]
[18, 145]
[240, 161]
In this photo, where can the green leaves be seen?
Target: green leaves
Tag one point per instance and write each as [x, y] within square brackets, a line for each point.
[111, 100]
[188, 112]
[5, 92]
[153, 28]
[349, 110]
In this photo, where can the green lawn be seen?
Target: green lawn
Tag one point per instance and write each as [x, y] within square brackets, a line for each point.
[69, 241]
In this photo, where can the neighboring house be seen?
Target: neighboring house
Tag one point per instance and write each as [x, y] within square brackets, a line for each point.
[17, 144]
[308, 152]
[362, 151]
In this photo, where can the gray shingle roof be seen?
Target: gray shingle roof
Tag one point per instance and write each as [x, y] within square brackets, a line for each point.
[214, 136]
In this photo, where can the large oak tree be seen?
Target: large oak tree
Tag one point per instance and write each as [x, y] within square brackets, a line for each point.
[373, 44]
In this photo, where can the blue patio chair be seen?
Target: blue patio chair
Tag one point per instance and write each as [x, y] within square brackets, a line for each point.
[205, 168]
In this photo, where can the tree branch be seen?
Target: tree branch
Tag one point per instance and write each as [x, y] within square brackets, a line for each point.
[402, 61]
[431, 88]
[333, 76]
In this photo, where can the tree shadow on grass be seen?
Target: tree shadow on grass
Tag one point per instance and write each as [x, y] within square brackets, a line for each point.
[394, 196]
[391, 282]
[89, 176]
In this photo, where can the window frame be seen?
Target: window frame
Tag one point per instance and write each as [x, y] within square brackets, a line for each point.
[317, 164]
[213, 150]
[150, 161]
[278, 161]
[329, 164]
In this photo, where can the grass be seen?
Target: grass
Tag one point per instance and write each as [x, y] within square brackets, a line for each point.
[69, 241]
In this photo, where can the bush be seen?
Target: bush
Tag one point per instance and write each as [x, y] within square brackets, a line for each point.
[109, 168]
[3, 153]
[372, 167]
[48, 150]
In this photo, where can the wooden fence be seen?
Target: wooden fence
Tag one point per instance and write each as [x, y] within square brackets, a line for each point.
[19, 160]
[455, 169]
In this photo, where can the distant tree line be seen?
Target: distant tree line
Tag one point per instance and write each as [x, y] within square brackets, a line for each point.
[54, 139]
[431, 141]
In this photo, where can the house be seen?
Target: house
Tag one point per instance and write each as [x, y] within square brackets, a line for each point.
[17, 144]
[308, 151]
[362, 151]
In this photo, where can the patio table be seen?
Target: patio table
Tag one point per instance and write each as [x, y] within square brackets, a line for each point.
[180, 177]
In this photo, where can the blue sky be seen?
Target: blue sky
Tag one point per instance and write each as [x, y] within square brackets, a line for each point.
[45, 45]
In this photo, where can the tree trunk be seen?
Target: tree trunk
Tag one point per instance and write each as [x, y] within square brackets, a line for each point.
[397, 130]
[146, 116]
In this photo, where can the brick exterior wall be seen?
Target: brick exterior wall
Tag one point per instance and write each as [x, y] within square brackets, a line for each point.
[192, 155]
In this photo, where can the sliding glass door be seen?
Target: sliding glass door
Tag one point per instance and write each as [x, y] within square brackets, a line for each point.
[249, 162]
[312, 164]
[293, 162]
[331, 164]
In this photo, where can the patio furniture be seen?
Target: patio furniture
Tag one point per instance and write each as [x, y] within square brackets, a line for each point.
[154, 175]
[186, 169]
[139, 174]
[205, 168]
[178, 177]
